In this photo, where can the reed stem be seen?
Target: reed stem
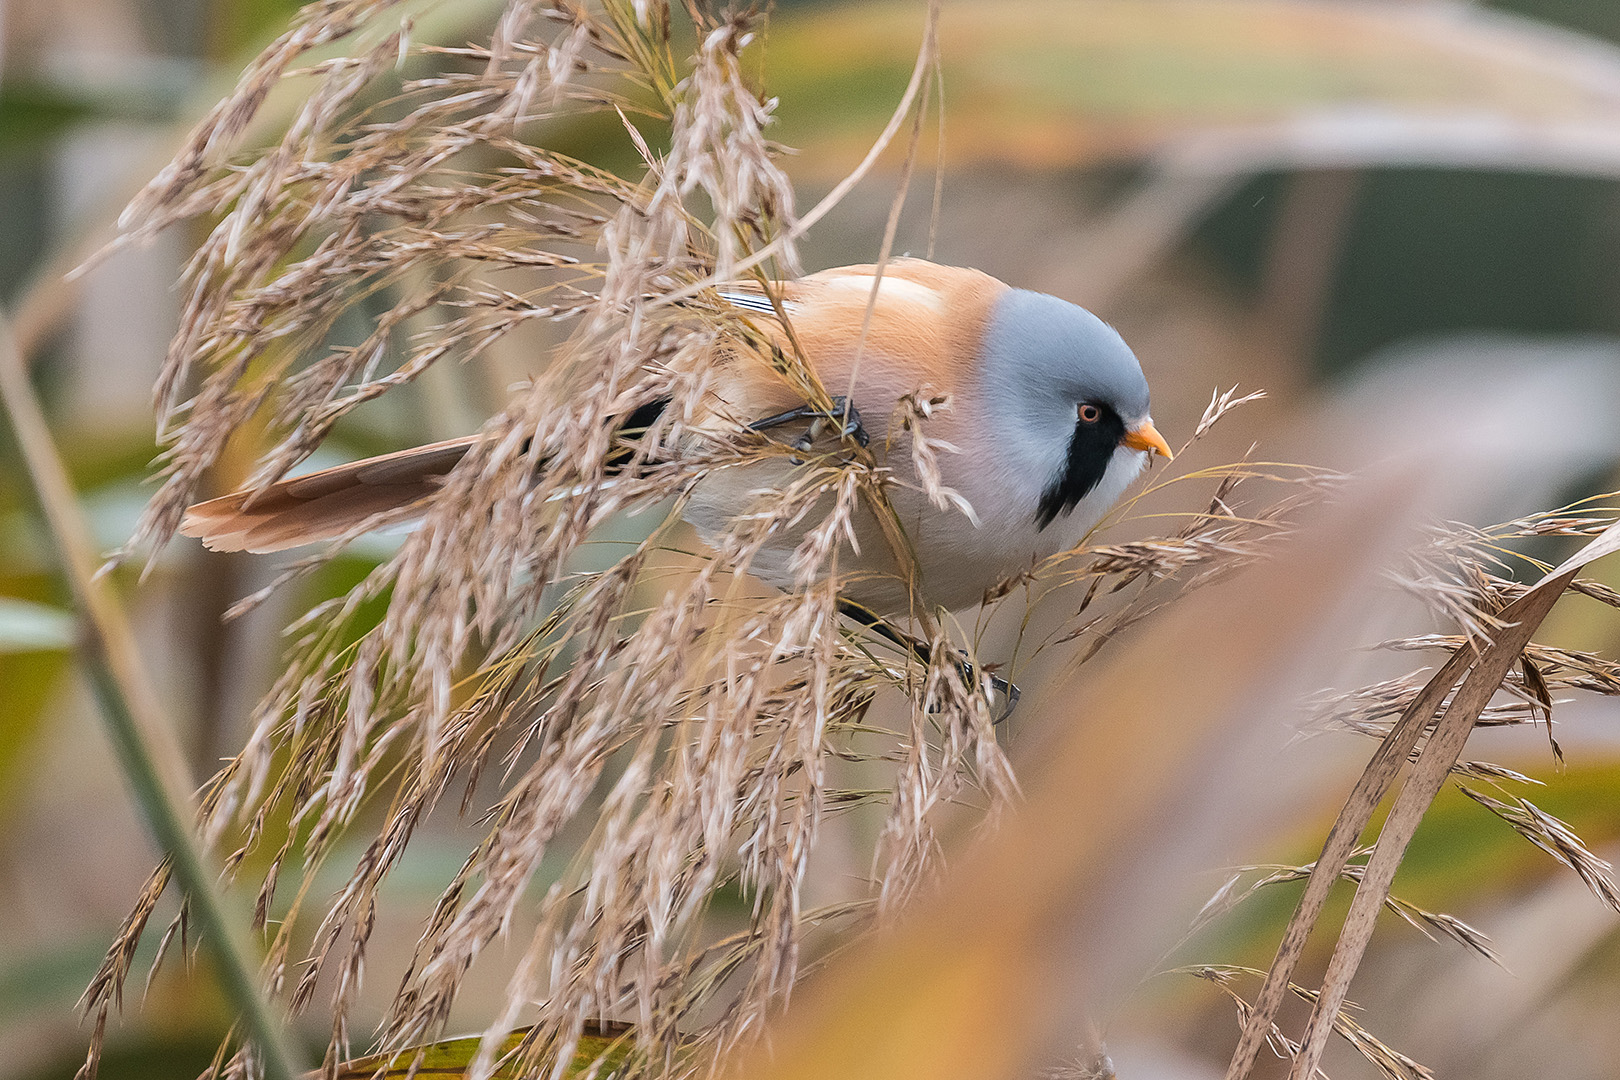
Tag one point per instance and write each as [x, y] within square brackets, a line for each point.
[145, 745]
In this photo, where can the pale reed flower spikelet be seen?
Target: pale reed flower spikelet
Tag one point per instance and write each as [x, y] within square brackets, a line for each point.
[430, 195]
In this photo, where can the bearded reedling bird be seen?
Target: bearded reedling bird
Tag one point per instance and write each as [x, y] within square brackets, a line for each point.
[1048, 412]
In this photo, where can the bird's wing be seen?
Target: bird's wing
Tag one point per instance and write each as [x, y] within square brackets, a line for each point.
[325, 505]
[906, 282]
[740, 295]
[924, 332]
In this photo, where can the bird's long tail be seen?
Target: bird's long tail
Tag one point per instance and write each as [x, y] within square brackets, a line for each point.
[324, 505]
[380, 491]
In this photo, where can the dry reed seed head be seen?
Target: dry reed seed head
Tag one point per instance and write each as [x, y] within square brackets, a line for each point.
[242, 295]
[106, 987]
[910, 414]
[249, 292]
[1464, 573]
[1390, 1062]
[1432, 924]
[1555, 838]
[1543, 670]
[907, 852]
[1221, 403]
[1230, 533]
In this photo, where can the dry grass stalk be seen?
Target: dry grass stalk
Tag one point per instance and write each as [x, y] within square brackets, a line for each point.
[1389, 1061]
[1428, 923]
[1430, 733]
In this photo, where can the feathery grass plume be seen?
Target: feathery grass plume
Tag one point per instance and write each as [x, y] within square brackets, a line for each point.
[1234, 891]
[1555, 838]
[692, 721]
[431, 196]
[1463, 574]
[1389, 1061]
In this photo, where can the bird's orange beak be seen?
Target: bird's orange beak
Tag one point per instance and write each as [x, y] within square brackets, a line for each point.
[1146, 437]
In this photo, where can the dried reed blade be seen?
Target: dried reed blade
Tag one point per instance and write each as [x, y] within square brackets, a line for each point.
[1428, 774]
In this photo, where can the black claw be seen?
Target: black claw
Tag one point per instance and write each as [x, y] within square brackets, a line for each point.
[1008, 690]
[853, 428]
[919, 649]
[842, 413]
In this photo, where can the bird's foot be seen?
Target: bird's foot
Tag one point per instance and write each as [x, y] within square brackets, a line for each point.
[1009, 693]
[848, 417]
[874, 622]
[843, 415]
[1005, 689]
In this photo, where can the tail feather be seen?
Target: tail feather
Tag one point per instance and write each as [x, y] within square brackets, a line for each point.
[325, 505]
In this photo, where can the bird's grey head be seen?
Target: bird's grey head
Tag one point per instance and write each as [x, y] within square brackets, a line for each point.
[1062, 390]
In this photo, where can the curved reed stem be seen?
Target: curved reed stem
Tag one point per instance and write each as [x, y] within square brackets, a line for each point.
[147, 752]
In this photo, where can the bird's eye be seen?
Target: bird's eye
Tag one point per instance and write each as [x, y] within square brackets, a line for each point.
[1089, 413]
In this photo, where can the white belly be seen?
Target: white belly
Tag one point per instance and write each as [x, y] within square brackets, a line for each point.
[956, 559]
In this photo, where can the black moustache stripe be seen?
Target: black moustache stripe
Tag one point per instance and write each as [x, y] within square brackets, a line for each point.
[1091, 447]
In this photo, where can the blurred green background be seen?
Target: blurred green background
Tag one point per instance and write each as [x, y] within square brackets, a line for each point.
[1377, 212]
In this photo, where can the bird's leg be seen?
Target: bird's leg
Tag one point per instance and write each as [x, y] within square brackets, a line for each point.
[924, 653]
[842, 413]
